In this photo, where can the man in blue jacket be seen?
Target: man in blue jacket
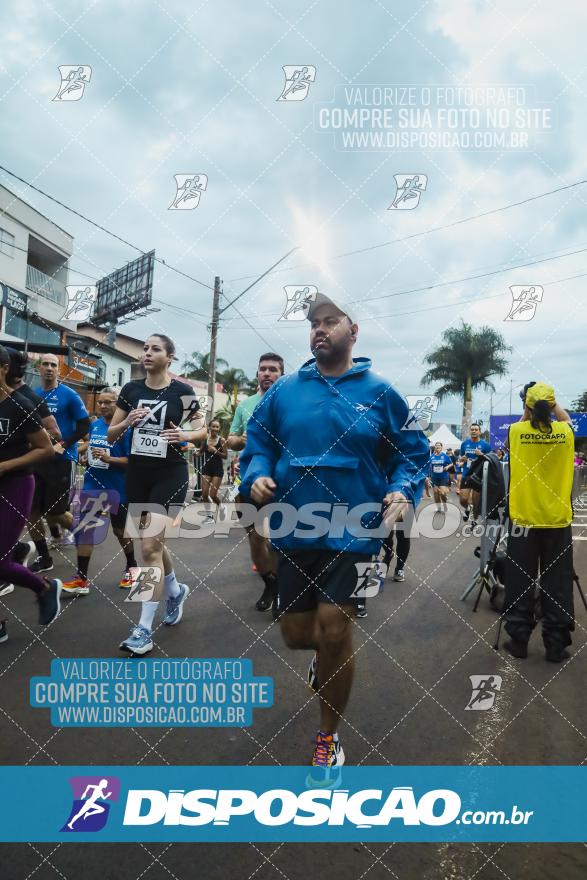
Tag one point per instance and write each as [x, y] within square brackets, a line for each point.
[327, 436]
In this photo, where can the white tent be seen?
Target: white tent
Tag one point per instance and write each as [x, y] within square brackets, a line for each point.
[446, 437]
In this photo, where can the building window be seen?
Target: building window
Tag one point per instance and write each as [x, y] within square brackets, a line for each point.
[121, 378]
[15, 325]
[6, 243]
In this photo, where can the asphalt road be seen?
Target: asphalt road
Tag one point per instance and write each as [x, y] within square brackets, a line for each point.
[415, 652]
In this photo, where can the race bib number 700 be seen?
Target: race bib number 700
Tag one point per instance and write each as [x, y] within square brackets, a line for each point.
[148, 443]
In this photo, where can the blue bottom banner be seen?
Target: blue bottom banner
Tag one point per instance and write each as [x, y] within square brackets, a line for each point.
[235, 804]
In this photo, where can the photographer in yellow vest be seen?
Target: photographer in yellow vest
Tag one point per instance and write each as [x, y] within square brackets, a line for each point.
[541, 452]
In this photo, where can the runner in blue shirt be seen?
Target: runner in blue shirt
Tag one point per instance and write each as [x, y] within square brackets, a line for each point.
[54, 480]
[105, 476]
[440, 464]
[470, 449]
[331, 434]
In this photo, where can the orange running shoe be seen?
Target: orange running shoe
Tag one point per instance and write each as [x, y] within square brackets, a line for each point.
[79, 586]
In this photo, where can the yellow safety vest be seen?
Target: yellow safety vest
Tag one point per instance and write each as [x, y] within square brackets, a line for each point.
[541, 475]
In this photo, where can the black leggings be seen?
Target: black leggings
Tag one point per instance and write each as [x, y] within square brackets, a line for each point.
[551, 552]
[403, 545]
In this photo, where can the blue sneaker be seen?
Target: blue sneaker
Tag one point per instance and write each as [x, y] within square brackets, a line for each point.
[174, 606]
[138, 642]
[327, 762]
[48, 602]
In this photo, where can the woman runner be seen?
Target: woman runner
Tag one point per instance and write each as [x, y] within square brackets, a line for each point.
[214, 453]
[153, 410]
[23, 443]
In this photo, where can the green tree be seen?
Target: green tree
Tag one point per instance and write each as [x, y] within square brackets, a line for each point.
[233, 380]
[225, 416]
[580, 404]
[465, 361]
[197, 367]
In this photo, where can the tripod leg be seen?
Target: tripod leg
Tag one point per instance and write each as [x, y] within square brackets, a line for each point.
[470, 588]
[581, 593]
[496, 646]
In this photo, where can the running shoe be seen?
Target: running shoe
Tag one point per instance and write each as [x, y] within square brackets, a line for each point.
[399, 575]
[327, 761]
[222, 511]
[125, 581]
[49, 604]
[466, 515]
[361, 609]
[78, 586]
[174, 606]
[23, 552]
[138, 642]
[41, 564]
[313, 674]
[266, 599]
[3, 632]
[5, 589]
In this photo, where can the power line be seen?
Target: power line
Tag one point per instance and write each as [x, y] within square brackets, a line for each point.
[509, 268]
[103, 228]
[433, 228]
[441, 306]
[476, 277]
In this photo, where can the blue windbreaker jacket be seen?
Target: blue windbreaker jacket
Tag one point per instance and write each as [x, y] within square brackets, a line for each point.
[334, 440]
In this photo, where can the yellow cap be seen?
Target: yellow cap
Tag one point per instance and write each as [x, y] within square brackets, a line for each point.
[540, 391]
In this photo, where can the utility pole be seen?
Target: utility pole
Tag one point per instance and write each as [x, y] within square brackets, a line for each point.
[213, 340]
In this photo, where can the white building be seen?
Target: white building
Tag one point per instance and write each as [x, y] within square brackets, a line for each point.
[34, 254]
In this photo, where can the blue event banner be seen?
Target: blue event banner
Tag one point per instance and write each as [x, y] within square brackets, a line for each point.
[259, 803]
[147, 692]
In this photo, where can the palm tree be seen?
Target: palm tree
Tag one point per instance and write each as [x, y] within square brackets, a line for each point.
[233, 380]
[225, 416]
[251, 386]
[465, 361]
[198, 366]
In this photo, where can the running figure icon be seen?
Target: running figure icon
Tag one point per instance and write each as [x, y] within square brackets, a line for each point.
[409, 190]
[90, 806]
[95, 510]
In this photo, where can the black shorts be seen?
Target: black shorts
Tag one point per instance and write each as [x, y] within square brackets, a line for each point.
[213, 469]
[308, 577]
[53, 486]
[166, 484]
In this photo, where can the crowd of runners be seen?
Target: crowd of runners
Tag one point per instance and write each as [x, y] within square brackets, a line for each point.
[329, 435]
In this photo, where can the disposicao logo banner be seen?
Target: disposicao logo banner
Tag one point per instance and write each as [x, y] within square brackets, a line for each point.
[231, 804]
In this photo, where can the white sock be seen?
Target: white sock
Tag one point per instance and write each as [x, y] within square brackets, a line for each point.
[148, 612]
[171, 587]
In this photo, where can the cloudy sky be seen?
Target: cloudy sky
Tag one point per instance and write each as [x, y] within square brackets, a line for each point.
[178, 87]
